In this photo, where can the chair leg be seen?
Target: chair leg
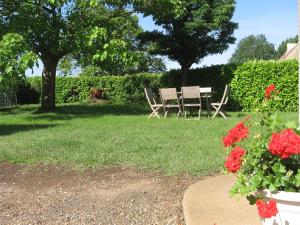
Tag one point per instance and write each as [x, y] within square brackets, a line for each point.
[216, 112]
[154, 113]
[223, 114]
[150, 116]
[166, 113]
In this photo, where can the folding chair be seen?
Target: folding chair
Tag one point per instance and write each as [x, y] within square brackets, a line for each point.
[219, 106]
[170, 100]
[188, 94]
[152, 102]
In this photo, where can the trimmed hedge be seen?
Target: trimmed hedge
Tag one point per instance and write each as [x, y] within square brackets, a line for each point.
[247, 81]
[129, 89]
[251, 79]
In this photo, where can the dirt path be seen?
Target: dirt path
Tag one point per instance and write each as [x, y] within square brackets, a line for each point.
[111, 196]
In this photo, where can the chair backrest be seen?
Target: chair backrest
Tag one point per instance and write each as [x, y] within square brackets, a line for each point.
[225, 95]
[205, 89]
[168, 94]
[190, 92]
[150, 96]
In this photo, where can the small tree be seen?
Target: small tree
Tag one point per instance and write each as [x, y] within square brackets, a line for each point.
[192, 29]
[252, 48]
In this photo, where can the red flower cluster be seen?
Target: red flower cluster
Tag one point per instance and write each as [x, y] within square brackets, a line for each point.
[236, 134]
[285, 143]
[234, 159]
[269, 90]
[268, 209]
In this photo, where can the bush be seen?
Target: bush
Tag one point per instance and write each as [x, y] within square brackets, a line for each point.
[247, 82]
[19, 86]
[130, 88]
[124, 88]
[251, 79]
[26, 94]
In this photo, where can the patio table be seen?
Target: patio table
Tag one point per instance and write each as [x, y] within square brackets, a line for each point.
[207, 93]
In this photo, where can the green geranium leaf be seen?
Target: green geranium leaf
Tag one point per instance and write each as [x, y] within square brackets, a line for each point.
[252, 199]
[297, 179]
[291, 125]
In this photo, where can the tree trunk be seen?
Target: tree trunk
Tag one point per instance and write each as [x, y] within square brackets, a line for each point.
[48, 84]
[184, 74]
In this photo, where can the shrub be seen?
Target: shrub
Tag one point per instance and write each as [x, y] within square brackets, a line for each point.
[250, 79]
[124, 88]
[130, 88]
[247, 82]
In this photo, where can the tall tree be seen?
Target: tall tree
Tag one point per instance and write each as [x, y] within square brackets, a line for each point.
[253, 48]
[55, 28]
[191, 29]
[282, 48]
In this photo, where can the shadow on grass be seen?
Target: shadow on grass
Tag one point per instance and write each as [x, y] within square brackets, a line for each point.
[66, 112]
[8, 129]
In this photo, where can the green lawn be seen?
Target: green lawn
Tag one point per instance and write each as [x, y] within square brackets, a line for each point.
[103, 135]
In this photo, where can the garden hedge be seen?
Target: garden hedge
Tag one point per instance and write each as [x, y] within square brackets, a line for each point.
[247, 82]
[251, 79]
[129, 89]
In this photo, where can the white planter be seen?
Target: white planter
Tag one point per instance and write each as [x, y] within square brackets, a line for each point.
[288, 204]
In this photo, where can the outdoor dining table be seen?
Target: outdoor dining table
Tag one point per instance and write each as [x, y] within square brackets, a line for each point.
[205, 93]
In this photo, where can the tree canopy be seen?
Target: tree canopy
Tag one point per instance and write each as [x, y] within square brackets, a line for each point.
[190, 29]
[253, 48]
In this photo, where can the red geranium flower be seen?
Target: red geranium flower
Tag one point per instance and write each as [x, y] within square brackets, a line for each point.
[269, 90]
[236, 134]
[268, 209]
[285, 144]
[234, 159]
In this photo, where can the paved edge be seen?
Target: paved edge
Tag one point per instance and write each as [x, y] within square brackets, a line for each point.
[207, 202]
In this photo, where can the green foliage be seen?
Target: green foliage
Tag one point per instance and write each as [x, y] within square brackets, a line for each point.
[67, 66]
[282, 48]
[130, 88]
[14, 60]
[253, 48]
[250, 80]
[124, 88]
[191, 29]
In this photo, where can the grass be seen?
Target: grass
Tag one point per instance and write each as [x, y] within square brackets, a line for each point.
[105, 135]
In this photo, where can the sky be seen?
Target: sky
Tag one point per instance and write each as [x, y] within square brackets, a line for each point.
[276, 19]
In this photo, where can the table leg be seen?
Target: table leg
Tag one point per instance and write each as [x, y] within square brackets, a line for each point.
[208, 105]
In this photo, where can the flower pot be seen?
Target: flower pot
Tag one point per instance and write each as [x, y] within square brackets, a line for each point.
[288, 205]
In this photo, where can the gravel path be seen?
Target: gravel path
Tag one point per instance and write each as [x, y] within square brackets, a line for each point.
[111, 196]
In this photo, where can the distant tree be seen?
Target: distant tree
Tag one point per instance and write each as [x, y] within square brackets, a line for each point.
[67, 66]
[191, 29]
[282, 48]
[253, 47]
